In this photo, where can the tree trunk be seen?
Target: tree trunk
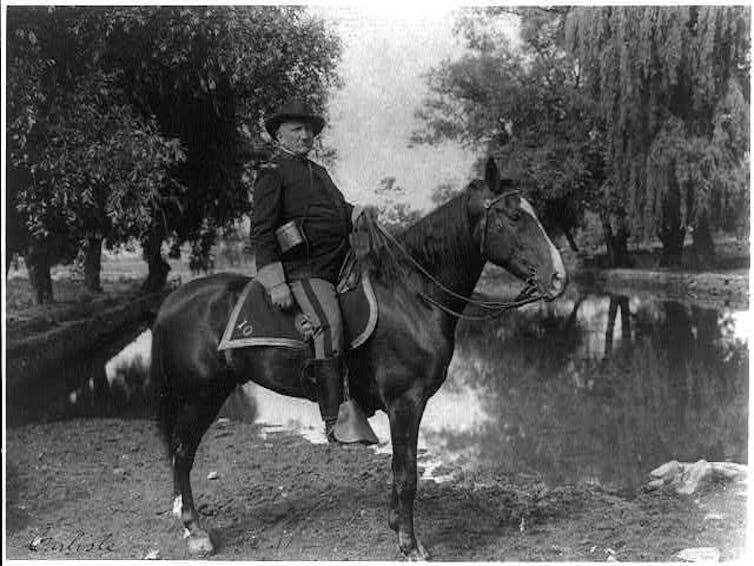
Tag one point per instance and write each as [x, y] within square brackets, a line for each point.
[673, 230]
[616, 243]
[93, 264]
[672, 246]
[702, 246]
[158, 267]
[38, 265]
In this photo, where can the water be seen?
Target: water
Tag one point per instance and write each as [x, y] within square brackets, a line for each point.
[597, 389]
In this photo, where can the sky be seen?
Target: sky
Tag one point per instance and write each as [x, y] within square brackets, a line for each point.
[386, 50]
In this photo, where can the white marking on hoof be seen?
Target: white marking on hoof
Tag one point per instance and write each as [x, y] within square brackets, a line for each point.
[177, 506]
[200, 546]
[186, 533]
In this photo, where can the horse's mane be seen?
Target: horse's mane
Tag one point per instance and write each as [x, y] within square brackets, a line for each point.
[433, 241]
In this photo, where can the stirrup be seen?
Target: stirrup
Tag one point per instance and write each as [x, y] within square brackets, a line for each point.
[352, 426]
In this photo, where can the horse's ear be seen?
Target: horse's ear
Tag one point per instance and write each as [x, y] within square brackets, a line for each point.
[492, 175]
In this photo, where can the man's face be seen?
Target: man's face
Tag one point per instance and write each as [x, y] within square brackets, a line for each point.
[296, 137]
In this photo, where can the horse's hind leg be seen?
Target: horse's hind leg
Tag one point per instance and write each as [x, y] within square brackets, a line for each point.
[192, 420]
[405, 414]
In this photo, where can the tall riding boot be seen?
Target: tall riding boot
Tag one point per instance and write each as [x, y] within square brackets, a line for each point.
[344, 422]
[329, 380]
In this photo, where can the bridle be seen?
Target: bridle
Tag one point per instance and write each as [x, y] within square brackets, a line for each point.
[531, 292]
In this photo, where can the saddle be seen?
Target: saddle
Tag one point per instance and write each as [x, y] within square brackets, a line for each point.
[255, 321]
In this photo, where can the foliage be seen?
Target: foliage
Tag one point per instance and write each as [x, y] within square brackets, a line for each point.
[671, 85]
[209, 75]
[638, 114]
[394, 215]
[128, 118]
[443, 192]
[92, 165]
[520, 102]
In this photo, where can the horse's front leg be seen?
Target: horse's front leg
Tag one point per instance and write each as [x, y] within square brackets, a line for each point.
[405, 414]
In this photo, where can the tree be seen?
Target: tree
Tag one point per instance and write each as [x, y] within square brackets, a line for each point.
[394, 214]
[522, 104]
[671, 85]
[209, 75]
[443, 192]
[84, 166]
[140, 122]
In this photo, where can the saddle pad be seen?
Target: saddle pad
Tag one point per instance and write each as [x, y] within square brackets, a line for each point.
[254, 321]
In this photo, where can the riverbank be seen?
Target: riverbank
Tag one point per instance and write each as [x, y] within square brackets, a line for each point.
[714, 289]
[100, 489]
[36, 343]
[39, 337]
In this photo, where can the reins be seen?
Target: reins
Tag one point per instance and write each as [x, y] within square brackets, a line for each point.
[528, 295]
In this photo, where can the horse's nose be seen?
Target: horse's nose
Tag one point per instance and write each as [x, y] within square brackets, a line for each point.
[558, 283]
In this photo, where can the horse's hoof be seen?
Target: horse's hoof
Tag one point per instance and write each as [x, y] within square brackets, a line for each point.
[200, 545]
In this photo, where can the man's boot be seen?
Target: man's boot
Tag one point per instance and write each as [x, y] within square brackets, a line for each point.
[352, 425]
[329, 392]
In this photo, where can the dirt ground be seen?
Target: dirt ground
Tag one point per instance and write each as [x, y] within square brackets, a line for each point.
[100, 489]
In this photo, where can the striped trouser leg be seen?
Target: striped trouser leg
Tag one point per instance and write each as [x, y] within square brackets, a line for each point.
[318, 299]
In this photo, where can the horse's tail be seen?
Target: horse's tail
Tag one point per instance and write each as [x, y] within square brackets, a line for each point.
[166, 402]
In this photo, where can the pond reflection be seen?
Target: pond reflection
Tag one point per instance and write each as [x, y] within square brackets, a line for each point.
[108, 381]
[604, 389]
[597, 388]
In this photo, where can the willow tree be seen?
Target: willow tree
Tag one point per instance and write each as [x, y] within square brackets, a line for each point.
[671, 85]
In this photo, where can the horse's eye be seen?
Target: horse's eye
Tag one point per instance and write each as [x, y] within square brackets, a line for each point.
[515, 215]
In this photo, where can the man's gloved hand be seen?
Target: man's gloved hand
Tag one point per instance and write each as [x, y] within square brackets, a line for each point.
[272, 278]
[281, 296]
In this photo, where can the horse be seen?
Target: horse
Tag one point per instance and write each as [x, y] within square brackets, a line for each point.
[404, 362]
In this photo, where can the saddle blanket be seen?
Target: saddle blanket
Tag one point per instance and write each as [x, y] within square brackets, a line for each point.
[255, 321]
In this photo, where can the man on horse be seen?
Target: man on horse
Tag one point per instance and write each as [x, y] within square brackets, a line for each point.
[301, 224]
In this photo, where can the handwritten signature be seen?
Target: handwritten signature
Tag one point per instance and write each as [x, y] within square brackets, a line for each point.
[79, 542]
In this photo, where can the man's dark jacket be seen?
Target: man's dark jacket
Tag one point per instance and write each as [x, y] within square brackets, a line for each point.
[295, 188]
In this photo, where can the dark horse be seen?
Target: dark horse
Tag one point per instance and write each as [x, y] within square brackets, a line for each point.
[396, 370]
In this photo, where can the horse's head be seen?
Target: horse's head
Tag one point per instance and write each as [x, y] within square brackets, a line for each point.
[508, 234]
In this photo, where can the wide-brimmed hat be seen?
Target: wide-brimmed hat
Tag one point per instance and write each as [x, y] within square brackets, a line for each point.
[294, 111]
